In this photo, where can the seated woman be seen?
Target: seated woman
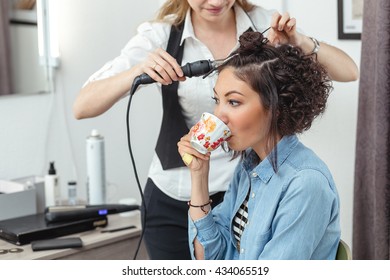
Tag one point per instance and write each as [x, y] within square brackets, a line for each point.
[282, 202]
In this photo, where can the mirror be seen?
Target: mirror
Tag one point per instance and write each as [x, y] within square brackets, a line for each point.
[26, 73]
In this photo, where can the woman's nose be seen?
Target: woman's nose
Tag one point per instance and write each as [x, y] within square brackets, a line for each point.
[216, 2]
[220, 115]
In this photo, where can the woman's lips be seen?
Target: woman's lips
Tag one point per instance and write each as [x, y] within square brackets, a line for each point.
[215, 11]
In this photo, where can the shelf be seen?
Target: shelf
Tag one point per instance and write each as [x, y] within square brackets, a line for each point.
[23, 16]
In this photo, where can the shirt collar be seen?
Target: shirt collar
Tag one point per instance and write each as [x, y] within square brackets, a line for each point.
[243, 23]
[264, 169]
[188, 30]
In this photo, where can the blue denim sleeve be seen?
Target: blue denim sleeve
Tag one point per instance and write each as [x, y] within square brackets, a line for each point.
[213, 230]
[307, 219]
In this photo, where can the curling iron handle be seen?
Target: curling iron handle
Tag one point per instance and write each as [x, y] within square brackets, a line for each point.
[191, 69]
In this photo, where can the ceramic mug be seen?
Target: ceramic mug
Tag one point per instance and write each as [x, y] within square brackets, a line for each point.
[208, 133]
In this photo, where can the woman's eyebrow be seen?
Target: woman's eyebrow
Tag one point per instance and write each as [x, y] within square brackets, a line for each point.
[229, 92]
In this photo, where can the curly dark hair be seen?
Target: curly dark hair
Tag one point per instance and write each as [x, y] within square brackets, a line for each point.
[292, 85]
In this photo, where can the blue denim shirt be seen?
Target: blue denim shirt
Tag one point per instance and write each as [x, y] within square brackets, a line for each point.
[293, 214]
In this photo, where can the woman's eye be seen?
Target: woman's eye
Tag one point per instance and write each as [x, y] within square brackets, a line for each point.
[216, 100]
[234, 102]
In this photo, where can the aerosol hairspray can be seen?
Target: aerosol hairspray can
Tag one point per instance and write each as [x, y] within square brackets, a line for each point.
[96, 177]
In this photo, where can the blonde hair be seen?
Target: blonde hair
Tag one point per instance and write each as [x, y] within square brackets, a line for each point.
[180, 8]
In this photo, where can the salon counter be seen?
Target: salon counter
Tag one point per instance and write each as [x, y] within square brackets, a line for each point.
[117, 245]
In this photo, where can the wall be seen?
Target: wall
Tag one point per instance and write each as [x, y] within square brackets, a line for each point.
[39, 128]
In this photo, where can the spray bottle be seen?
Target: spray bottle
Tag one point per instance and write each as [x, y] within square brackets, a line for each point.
[52, 187]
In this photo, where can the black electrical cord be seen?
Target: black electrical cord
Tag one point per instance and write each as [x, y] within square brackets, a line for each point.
[134, 87]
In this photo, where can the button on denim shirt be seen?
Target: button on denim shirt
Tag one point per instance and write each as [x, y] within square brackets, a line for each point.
[293, 214]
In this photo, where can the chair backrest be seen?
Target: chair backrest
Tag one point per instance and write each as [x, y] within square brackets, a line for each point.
[343, 251]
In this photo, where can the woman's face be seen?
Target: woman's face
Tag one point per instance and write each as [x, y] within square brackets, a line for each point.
[240, 107]
[211, 10]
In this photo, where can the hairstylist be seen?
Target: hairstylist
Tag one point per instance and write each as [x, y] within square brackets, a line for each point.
[203, 29]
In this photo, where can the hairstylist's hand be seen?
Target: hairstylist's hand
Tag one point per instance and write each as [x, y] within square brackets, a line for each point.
[191, 157]
[162, 67]
[284, 30]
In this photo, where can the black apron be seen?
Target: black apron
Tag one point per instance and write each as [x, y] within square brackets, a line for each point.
[173, 125]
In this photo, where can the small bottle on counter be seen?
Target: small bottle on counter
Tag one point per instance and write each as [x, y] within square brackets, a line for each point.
[72, 193]
[52, 187]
